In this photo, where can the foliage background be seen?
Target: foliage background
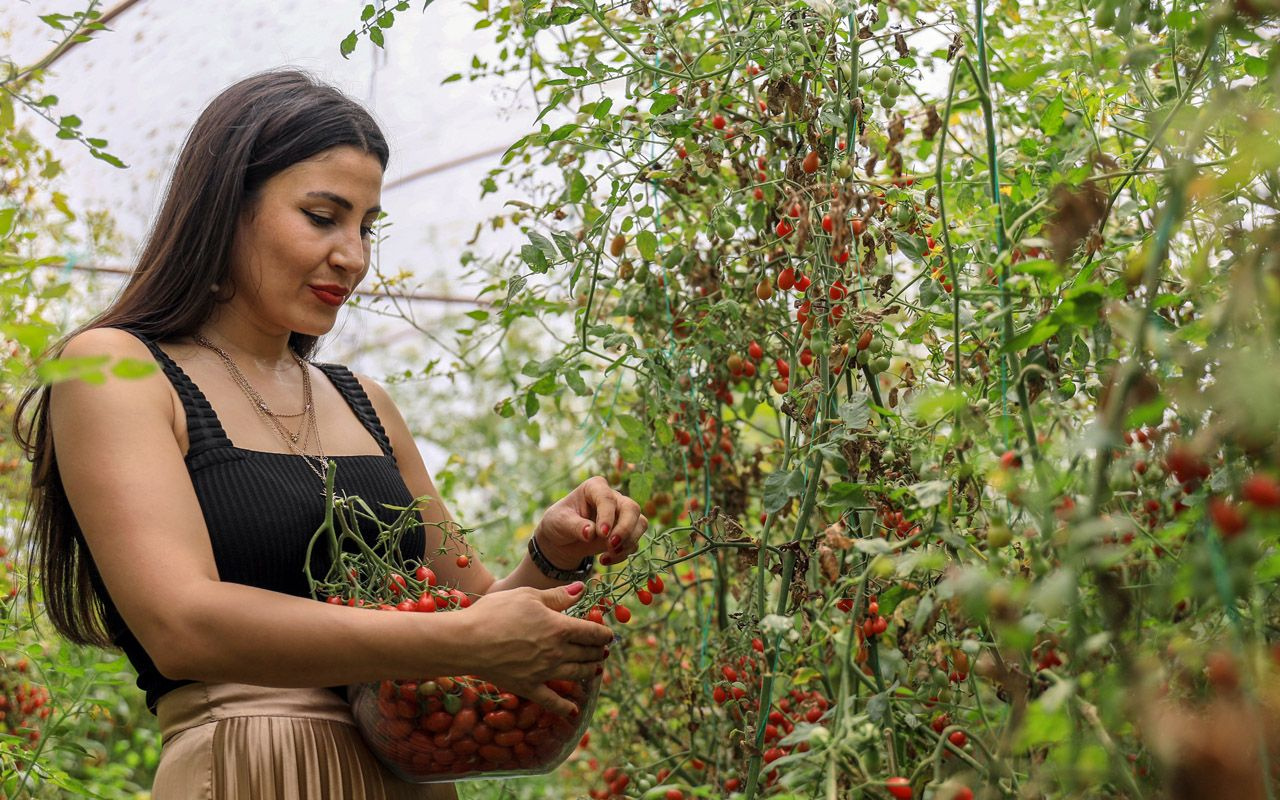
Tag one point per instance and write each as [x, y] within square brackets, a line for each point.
[1043, 481]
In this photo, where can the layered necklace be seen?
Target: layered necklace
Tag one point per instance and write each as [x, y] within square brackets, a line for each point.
[316, 461]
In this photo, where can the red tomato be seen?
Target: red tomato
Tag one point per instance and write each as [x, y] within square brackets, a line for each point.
[1261, 490]
[787, 279]
[596, 614]
[500, 720]
[899, 787]
[644, 597]
[463, 562]
[622, 614]
[656, 585]
[425, 575]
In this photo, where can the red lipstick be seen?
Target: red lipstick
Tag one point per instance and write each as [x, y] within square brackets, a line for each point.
[330, 294]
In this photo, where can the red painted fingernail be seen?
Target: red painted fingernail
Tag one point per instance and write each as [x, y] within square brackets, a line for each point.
[606, 652]
[599, 670]
[586, 533]
[614, 541]
[574, 589]
[605, 560]
[604, 529]
[574, 712]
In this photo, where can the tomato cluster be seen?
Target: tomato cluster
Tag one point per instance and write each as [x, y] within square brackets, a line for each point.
[448, 728]
[23, 705]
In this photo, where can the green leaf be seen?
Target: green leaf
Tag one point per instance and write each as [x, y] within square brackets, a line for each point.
[565, 242]
[780, 487]
[634, 427]
[856, 412]
[87, 369]
[843, 494]
[662, 102]
[367, 13]
[577, 186]
[479, 315]
[544, 244]
[531, 405]
[647, 244]
[934, 405]
[457, 76]
[348, 45]
[110, 159]
[535, 258]
[930, 493]
[911, 246]
[640, 486]
[662, 430]
[375, 36]
[574, 379]
[7, 216]
[131, 368]
[546, 385]
[1051, 117]
[561, 133]
[1016, 81]
[602, 108]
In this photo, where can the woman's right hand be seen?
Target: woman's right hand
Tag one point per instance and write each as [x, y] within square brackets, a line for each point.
[524, 640]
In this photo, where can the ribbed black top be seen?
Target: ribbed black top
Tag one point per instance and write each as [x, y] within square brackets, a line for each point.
[262, 508]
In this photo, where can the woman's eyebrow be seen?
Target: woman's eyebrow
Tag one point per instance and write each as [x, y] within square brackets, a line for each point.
[342, 201]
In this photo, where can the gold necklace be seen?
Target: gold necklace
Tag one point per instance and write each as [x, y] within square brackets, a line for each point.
[317, 463]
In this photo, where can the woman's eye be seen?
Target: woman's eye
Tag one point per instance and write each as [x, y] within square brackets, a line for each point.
[366, 231]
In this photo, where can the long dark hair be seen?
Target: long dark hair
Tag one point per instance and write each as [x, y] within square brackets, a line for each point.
[250, 132]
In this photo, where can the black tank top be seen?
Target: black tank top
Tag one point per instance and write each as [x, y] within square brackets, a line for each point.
[262, 508]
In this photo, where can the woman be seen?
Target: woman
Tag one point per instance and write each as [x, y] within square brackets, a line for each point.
[170, 513]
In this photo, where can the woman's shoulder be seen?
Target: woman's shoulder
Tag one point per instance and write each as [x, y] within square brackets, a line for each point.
[113, 342]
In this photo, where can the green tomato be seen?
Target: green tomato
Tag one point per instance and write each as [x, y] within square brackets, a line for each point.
[887, 101]
[865, 77]
[819, 345]
[725, 228]
[893, 88]
[878, 345]
[797, 47]
[879, 365]
[877, 85]
[863, 358]
[846, 72]
[999, 535]
[1066, 389]
[844, 169]
[885, 74]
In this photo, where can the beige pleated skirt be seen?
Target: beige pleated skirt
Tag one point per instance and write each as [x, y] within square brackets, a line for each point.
[231, 741]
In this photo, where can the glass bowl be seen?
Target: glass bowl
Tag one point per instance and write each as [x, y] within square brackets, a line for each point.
[451, 729]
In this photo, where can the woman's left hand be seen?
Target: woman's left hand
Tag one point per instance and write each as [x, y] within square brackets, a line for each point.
[593, 519]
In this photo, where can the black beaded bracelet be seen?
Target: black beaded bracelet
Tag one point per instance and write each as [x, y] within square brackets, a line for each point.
[585, 569]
